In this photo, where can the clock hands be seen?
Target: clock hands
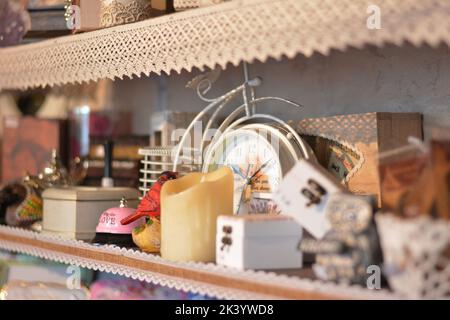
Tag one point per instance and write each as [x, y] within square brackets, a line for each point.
[243, 190]
[236, 169]
[259, 170]
[249, 181]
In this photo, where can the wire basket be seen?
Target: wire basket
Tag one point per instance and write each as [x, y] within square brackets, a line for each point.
[158, 159]
[416, 254]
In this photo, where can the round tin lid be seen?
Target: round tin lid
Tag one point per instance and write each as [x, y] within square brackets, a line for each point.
[90, 193]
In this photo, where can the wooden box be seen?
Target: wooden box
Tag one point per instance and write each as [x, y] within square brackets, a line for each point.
[348, 145]
[28, 143]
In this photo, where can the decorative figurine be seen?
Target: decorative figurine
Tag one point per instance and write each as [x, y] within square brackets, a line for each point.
[351, 246]
[21, 202]
[54, 174]
[20, 205]
[150, 204]
[148, 236]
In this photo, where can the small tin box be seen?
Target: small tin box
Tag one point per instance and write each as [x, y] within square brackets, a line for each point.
[74, 212]
[258, 242]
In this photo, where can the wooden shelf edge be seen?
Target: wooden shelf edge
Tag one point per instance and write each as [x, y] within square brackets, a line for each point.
[192, 278]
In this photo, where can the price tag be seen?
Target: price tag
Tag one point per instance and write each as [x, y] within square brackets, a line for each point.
[304, 194]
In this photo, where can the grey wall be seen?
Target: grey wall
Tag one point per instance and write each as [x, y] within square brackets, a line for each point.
[392, 79]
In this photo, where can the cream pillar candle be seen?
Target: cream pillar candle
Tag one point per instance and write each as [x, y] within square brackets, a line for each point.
[189, 209]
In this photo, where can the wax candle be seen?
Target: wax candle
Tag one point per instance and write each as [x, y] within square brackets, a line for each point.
[189, 209]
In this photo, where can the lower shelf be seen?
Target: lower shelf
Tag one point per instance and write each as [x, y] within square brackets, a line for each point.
[208, 279]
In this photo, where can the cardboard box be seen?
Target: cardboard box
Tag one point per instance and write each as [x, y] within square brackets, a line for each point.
[348, 145]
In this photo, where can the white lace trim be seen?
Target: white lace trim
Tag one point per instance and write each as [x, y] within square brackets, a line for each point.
[231, 32]
[265, 278]
[413, 255]
[180, 5]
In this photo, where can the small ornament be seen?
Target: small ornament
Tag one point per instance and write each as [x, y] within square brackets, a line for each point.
[109, 229]
[341, 161]
[350, 246]
[54, 174]
[148, 236]
[150, 204]
[21, 205]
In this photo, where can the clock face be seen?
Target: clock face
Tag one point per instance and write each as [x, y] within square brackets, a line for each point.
[256, 167]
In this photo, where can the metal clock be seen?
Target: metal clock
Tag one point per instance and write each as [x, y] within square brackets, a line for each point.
[259, 154]
[260, 148]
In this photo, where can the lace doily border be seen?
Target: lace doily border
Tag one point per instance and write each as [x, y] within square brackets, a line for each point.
[415, 262]
[207, 279]
[232, 32]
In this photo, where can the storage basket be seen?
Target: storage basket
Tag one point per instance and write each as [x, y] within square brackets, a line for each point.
[158, 159]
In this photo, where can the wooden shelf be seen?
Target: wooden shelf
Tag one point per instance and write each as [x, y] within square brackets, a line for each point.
[232, 32]
[203, 278]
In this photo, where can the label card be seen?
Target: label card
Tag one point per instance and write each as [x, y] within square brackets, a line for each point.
[304, 194]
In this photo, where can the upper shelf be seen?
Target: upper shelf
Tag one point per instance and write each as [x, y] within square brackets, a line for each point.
[241, 30]
[208, 279]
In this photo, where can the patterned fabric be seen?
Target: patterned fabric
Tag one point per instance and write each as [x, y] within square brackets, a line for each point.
[116, 12]
[230, 32]
[351, 128]
[416, 255]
